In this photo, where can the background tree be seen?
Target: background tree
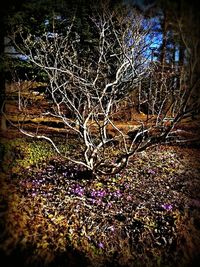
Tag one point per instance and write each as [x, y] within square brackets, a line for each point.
[185, 45]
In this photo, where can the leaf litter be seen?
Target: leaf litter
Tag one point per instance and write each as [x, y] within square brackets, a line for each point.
[148, 215]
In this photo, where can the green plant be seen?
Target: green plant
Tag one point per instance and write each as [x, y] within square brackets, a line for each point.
[23, 153]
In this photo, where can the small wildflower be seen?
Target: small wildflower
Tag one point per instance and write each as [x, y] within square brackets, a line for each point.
[101, 245]
[109, 204]
[167, 206]
[151, 171]
[93, 193]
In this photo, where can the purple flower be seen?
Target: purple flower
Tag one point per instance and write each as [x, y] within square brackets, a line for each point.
[93, 193]
[167, 206]
[78, 190]
[151, 171]
[99, 193]
[117, 193]
[101, 245]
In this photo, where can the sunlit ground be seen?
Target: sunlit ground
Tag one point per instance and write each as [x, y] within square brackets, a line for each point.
[148, 215]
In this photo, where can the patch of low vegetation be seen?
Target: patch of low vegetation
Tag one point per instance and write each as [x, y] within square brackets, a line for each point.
[18, 153]
[148, 215]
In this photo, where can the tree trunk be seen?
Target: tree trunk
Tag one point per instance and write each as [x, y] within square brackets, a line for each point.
[162, 57]
[164, 41]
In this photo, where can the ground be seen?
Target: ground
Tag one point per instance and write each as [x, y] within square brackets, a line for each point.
[148, 215]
